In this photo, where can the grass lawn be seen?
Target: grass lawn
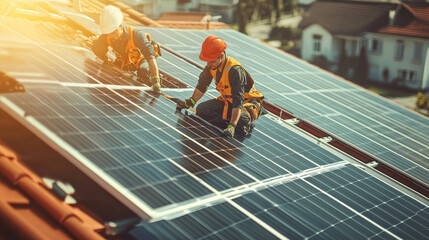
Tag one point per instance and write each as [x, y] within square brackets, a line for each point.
[387, 91]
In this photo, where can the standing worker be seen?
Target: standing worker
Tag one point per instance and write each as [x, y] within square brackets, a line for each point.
[133, 48]
[239, 104]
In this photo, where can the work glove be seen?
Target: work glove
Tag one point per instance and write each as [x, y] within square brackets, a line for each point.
[190, 102]
[228, 132]
[156, 86]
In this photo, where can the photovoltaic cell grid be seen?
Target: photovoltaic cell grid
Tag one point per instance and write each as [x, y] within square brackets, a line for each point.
[43, 62]
[159, 155]
[97, 121]
[385, 130]
[339, 204]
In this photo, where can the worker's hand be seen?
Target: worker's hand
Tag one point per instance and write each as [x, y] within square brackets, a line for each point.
[228, 132]
[186, 103]
[156, 85]
[156, 88]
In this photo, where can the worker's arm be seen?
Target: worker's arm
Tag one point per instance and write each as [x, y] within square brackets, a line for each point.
[235, 116]
[237, 81]
[203, 83]
[153, 68]
[148, 52]
[197, 94]
[99, 47]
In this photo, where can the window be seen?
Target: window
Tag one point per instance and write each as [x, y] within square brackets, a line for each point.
[412, 76]
[354, 48]
[399, 51]
[418, 50]
[365, 43]
[407, 76]
[317, 41]
[376, 45]
[402, 74]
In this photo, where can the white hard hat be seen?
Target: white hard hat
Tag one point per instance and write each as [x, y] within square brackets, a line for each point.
[110, 19]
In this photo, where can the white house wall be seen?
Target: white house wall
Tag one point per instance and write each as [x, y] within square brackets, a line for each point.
[386, 59]
[307, 51]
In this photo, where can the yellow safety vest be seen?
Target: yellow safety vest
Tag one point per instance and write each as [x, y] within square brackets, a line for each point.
[134, 56]
[224, 87]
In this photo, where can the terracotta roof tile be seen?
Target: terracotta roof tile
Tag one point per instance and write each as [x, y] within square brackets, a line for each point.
[32, 211]
[193, 25]
[184, 16]
[417, 27]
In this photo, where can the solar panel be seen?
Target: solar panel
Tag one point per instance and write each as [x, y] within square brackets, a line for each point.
[343, 109]
[341, 203]
[175, 169]
[166, 159]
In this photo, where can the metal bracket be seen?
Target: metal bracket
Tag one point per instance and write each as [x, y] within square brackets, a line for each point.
[325, 139]
[292, 121]
[114, 228]
[372, 164]
[62, 190]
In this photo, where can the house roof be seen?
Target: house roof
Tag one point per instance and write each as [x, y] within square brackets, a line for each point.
[52, 33]
[184, 16]
[417, 26]
[347, 18]
[190, 20]
[32, 211]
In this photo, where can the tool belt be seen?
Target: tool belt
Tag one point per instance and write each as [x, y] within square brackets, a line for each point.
[253, 108]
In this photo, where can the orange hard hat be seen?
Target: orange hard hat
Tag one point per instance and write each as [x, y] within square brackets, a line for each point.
[212, 48]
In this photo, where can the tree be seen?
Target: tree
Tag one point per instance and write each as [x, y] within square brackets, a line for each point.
[250, 9]
[278, 8]
[245, 9]
[361, 68]
[343, 65]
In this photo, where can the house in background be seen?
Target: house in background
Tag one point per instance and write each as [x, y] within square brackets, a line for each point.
[152, 8]
[225, 9]
[394, 35]
[219, 10]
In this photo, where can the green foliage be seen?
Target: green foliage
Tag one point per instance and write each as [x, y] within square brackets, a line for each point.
[285, 33]
[343, 63]
[251, 10]
[361, 67]
[422, 101]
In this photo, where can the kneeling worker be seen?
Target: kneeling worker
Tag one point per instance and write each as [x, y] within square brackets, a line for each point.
[239, 104]
[134, 49]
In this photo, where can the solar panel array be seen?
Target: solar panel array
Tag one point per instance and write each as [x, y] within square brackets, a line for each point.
[177, 170]
[379, 127]
[339, 204]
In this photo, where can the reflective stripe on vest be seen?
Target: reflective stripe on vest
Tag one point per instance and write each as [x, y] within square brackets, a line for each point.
[224, 87]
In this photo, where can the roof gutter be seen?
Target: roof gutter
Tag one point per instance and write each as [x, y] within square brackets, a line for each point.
[20, 177]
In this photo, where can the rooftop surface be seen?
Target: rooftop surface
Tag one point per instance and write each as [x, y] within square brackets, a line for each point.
[329, 160]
